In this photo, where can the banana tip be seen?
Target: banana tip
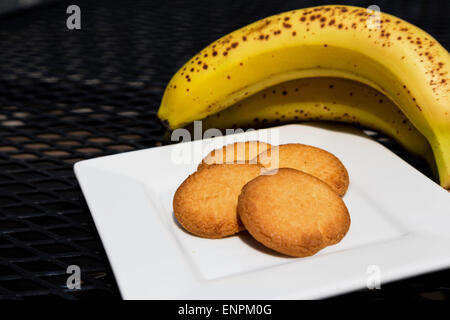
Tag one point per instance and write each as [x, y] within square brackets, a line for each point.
[165, 123]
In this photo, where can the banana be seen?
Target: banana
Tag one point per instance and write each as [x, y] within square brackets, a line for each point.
[328, 99]
[398, 59]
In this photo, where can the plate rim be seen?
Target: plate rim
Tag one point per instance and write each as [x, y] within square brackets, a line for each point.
[199, 286]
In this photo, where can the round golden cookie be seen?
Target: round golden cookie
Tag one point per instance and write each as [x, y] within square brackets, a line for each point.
[239, 152]
[205, 203]
[293, 212]
[315, 161]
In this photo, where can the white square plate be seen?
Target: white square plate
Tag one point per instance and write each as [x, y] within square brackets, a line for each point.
[400, 224]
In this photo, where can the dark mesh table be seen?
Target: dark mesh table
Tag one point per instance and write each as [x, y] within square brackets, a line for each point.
[72, 95]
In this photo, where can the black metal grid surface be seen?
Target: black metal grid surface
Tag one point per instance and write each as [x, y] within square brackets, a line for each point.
[72, 95]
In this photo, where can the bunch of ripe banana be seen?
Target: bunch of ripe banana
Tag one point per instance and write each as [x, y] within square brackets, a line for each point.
[332, 63]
